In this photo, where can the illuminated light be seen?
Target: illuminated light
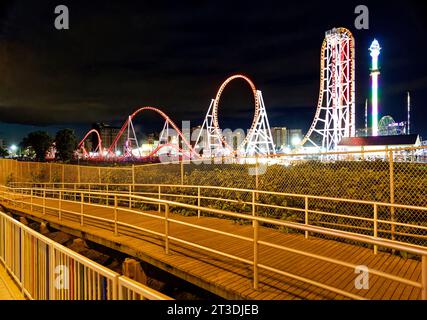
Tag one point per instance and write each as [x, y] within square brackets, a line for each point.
[118, 153]
[215, 110]
[13, 148]
[296, 141]
[375, 52]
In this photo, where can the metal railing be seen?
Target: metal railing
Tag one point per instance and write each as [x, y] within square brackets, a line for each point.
[381, 220]
[46, 270]
[53, 200]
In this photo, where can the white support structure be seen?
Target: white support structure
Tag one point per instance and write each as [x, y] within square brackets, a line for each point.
[335, 114]
[131, 137]
[164, 135]
[260, 141]
[207, 139]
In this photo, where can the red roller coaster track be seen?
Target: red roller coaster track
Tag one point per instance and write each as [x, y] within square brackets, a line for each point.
[99, 146]
[158, 111]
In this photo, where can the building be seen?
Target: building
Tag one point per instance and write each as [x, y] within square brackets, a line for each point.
[294, 137]
[108, 134]
[379, 142]
[280, 137]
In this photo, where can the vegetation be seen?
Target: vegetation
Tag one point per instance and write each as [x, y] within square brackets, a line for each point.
[3, 153]
[65, 144]
[40, 142]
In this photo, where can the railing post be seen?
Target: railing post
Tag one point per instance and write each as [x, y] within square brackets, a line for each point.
[51, 275]
[115, 215]
[166, 228]
[375, 226]
[256, 249]
[253, 207]
[89, 195]
[160, 195]
[106, 197]
[81, 208]
[22, 259]
[424, 277]
[182, 171]
[130, 197]
[78, 175]
[392, 209]
[198, 202]
[60, 206]
[31, 200]
[63, 176]
[44, 201]
[133, 175]
[256, 173]
[306, 215]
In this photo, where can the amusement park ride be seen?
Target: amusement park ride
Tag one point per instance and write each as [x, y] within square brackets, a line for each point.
[334, 118]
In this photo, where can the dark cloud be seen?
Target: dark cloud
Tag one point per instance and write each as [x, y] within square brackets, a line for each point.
[119, 55]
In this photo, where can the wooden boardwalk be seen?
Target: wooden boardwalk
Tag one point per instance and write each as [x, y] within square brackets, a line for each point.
[8, 288]
[232, 279]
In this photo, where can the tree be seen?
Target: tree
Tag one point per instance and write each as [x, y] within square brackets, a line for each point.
[66, 144]
[39, 142]
[3, 153]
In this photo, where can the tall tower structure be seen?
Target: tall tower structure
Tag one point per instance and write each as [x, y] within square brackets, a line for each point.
[375, 72]
[335, 113]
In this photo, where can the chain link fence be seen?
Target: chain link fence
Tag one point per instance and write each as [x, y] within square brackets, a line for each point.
[386, 176]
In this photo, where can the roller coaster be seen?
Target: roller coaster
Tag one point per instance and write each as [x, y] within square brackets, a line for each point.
[334, 118]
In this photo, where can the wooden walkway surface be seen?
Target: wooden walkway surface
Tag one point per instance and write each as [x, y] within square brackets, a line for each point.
[232, 279]
[8, 288]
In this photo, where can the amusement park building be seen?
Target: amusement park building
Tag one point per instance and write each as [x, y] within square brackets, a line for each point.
[380, 142]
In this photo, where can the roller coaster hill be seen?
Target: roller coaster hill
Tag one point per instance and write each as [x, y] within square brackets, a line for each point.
[334, 119]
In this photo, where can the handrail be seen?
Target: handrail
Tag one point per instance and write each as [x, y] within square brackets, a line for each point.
[375, 241]
[375, 221]
[298, 195]
[42, 268]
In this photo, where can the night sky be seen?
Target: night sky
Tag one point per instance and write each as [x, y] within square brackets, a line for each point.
[120, 55]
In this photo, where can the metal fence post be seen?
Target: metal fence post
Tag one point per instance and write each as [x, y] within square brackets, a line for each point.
[44, 201]
[166, 228]
[182, 171]
[256, 249]
[51, 275]
[78, 175]
[60, 206]
[253, 207]
[198, 202]
[31, 200]
[256, 173]
[375, 226]
[63, 176]
[130, 197]
[160, 194]
[306, 215]
[81, 208]
[133, 175]
[392, 209]
[115, 215]
[22, 259]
